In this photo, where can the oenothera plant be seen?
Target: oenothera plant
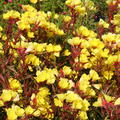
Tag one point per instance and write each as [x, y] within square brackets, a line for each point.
[58, 71]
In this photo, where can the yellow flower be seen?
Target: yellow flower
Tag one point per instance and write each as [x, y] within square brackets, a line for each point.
[72, 2]
[58, 103]
[108, 98]
[29, 110]
[82, 30]
[87, 65]
[33, 1]
[56, 16]
[41, 101]
[81, 10]
[104, 53]
[108, 74]
[83, 115]
[1, 45]
[0, 34]
[63, 83]
[41, 76]
[67, 18]
[42, 97]
[74, 41]
[90, 92]
[71, 96]
[43, 92]
[49, 14]
[1, 28]
[95, 43]
[11, 115]
[6, 95]
[92, 34]
[30, 34]
[46, 74]
[49, 48]
[98, 103]
[61, 96]
[94, 75]
[11, 13]
[117, 29]
[67, 70]
[85, 51]
[60, 32]
[15, 85]
[30, 68]
[57, 48]
[77, 104]
[85, 104]
[32, 59]
[109, 37]
[51, 80]
[117, 102]
[67, 52]
[19, 111]
[23, 25]
[103, 23]
[28, 8]
[97, 86]
[84, 82]
[111, 59]
[4, 37]
[1, 103]
[36, 113]
[51, 77]
[57, 54]
[83, 58]
[90, 5]
[39, 47]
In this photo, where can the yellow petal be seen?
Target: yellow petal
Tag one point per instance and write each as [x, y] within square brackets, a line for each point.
[117, 102]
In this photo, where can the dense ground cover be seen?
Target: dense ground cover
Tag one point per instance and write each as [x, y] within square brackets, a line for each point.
[60, 60]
